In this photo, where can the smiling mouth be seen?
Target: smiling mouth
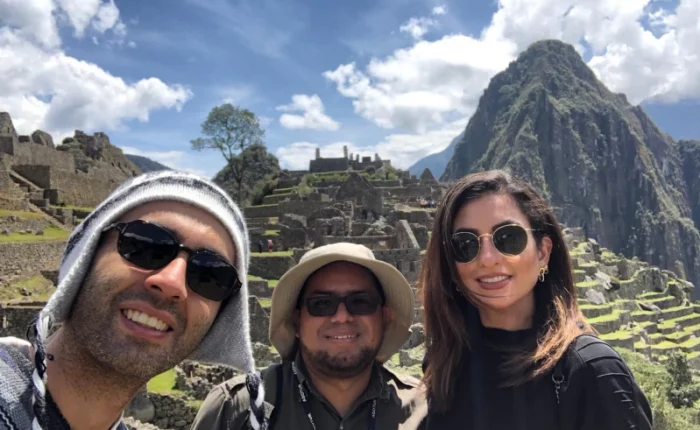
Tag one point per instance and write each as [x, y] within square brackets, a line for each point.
[145, 320]
[493, 279]
[344, 337]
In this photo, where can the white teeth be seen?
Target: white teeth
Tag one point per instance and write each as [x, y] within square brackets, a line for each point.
[494, 279]
[344, 337]
[145, 320]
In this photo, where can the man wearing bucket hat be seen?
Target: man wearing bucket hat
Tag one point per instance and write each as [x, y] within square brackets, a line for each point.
[154, 275]
[335, 318]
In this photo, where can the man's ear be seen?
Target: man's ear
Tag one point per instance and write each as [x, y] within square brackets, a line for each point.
[295, 321]
[387, 316]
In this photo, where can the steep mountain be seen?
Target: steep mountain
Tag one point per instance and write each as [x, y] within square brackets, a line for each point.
[690, 154]
[602, 163]
[146, 164]
[435, 162]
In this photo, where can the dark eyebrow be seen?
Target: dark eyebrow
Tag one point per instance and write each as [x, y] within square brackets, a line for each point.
[475, 231]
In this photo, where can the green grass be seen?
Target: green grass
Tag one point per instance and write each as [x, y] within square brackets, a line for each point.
[272, 283]
[265, 302]
[40, 289]
[605, 318]
[254, 278]
[272, 232]
[75, 208]
[617, 335]
[590, 306]
[163, 383]
[665, 345]
[587, 284]
[21, 214]
[272, 254]
[50, 234]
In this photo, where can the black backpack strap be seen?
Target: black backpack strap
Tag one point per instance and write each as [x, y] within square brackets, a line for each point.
[580, 344]
[266, 374]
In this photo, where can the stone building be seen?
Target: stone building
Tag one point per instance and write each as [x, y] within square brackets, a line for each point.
[81, 171]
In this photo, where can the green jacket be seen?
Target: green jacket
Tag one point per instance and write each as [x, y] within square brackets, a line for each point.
[400, 405]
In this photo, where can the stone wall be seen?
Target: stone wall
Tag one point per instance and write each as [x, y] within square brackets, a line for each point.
[301, 207]
[403, 237]
[261, 211]
[31, 153]
[71, 186]
[259, 321]
[328, 165]
[412, 192]
[38, 174]
[172, 412]
[73, 190]
[270, 267]
[22, 259]
[389, 183]
[407, 261]
[14, 319]
[375, 243]
[288, 183]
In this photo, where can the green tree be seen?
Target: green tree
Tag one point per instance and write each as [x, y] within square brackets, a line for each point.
[230, 130]
[252, 166]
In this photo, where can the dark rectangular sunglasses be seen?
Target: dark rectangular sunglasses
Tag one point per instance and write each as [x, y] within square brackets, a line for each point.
[152, 247]
[356, 304]
[509, 240]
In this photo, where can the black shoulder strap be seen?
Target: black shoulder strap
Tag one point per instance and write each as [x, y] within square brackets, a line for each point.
[588, 347]
[278, 390]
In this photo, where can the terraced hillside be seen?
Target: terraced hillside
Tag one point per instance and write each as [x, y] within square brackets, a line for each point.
[633, 305]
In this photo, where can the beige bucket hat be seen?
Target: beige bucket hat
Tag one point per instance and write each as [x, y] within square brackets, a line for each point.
[398, 293]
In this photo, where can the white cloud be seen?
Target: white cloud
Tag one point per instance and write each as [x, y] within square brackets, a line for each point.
[31, 19]
[417, 27]
[421, 87]
[312, 117]
[415, 88]
[439, 10]
[42, 87]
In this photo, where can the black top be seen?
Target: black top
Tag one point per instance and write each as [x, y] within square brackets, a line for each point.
[598, 393]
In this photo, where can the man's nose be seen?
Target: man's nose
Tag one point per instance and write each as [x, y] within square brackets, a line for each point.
[170, 281]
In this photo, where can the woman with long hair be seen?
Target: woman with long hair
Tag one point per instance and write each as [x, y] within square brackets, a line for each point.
[507, 346]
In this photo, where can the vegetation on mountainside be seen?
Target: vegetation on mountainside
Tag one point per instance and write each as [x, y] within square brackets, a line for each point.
[231, 130]
[146, 164]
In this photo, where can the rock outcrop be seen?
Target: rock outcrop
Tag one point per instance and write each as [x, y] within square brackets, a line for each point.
[601, 162]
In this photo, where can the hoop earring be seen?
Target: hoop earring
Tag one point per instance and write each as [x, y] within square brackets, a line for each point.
[543, 271]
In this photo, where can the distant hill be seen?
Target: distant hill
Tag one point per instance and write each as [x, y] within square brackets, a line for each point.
[602, 163]
[435, 162]
[146, 164]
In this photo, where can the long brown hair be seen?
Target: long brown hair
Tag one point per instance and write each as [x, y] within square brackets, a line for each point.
[447, 336]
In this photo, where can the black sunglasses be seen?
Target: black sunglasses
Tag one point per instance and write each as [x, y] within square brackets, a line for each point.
[509, 240]
[356, 304]
[152, 247]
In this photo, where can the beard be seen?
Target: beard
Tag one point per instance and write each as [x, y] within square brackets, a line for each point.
[93, 328]
[342, 366]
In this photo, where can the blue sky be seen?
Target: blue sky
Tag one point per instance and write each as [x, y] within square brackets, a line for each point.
[399, 77]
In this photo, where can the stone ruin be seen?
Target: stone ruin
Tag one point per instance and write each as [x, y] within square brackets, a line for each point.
[35, 173]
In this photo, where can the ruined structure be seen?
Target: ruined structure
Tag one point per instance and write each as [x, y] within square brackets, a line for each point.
[81, 171]
[346, 162]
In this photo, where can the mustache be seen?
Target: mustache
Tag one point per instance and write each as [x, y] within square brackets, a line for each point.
[164, 305]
